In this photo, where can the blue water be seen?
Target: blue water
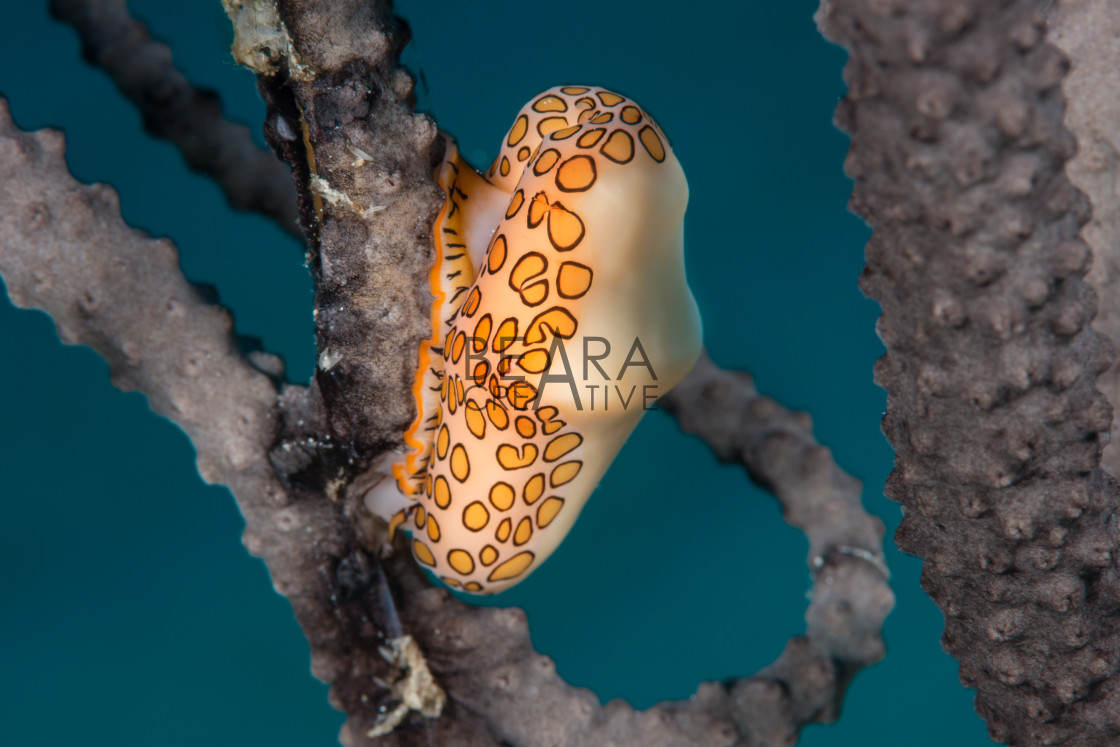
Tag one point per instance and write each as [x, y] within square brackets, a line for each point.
[131, 615]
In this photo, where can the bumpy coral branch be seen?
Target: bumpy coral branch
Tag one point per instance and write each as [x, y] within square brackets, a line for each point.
[958, 148]
[65, 250]
[1087, 30]
[850, 596]
[341, 114]
[252, 179]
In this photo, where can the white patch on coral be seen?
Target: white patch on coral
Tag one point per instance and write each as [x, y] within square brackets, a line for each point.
[413, 686]
[323, 188]
[261, 41]
[284, 130]
[361, 158]
[328, 359]
[384, 498]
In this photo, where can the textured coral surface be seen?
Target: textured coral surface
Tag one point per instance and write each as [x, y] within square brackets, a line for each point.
[1087, 30]
[955, 111]
[252, 178]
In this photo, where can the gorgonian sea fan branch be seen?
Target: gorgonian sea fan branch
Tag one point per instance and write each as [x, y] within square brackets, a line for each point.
[957, 152]
[252, 178]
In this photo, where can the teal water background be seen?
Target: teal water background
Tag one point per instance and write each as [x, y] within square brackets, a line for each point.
[131, 615]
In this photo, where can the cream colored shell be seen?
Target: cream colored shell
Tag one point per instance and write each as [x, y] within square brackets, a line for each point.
[571, 242]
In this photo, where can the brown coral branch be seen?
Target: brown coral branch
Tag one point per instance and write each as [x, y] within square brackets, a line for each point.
[958, 149]
[329, 71]
[253, 179]
[1087, 30]
[65, 250]
[850, 596]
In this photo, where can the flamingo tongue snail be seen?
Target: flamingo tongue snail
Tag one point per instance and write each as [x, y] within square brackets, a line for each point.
[561, 313]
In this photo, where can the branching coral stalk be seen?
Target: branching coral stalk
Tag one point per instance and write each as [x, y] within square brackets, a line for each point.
[329, 75]
[1087, 30]
[850, 596]
[142, 68]
[955, 112]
